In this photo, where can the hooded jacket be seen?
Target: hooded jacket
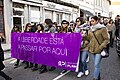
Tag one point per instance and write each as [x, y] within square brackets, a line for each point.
[102, 36]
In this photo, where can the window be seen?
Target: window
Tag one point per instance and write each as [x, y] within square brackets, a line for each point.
[35, 14]
[59, 17]
[1, 2]
[1, 17]
[49, 14]
[67, 17]
[1, 21]
[18, 9]
[18, 5]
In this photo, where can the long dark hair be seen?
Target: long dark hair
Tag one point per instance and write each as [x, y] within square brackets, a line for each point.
[18, 29]
[110, 21]
[27, 26]
[49, 22]
[62, 28]
[42, 27]
[95, 18]
[81, 20]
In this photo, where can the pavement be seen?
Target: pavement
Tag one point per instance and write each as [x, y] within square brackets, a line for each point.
[6, 48]
[110, 70]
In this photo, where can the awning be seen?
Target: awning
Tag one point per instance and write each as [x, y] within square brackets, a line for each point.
[87, 12]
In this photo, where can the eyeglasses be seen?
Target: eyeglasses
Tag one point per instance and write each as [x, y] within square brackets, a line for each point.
[64, 23]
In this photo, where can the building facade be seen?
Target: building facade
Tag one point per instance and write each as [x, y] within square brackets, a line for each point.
[94, 7]
[20, 12]
[114, 8]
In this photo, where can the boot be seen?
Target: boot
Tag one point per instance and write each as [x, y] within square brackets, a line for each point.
[95, 79]
[31, 65]
[9, 78]
[52, 69]
[27, 65]
[43, 69]
[99, 78]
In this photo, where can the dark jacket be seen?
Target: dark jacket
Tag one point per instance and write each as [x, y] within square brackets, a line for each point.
[117, 23]
[1, 50]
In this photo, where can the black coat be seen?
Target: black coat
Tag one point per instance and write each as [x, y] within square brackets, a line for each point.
[1, 50]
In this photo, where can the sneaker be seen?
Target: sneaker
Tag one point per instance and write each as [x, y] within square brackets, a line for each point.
[80, 74]
[63, 71]
[86, 72]
[43, 70]
[52, 69]
[9, 78]
[26, 67]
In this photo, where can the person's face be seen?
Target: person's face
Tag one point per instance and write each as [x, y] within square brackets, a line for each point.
[64, 24]
[93, 22]
[16, 29]
[44, 24]
[1, 34]
[110, 22]
[29, 27]
[119, 17]
[78, 22]
[54, 25]
[39, 27]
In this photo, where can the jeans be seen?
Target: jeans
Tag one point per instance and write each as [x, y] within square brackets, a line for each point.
[83, 66]
[97, 60]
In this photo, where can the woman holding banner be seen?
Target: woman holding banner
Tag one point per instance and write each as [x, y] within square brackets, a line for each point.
[17, 30]
[48, 28]
[97, 33]
[64, 29]
[2, 66]
[28, 30]
[83, 65]
[40, 29]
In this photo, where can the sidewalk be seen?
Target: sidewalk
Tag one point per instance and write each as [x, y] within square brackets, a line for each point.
[6, 48]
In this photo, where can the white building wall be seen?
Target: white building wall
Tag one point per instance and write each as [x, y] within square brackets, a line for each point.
[102, 6]
[99, 6]
[54, 16]
[115, 8]
[65, 11]
[7, 20]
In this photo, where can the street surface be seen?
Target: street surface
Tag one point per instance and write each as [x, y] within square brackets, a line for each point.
[110, 70]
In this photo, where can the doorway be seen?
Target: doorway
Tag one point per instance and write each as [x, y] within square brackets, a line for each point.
[18, 21]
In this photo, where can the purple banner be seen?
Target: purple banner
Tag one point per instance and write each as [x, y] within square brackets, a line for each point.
[60, 50]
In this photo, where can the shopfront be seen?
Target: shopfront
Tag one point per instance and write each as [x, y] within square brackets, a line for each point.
[57, 12]
[24, 12]
[49, 14]
[18, 15]
[35, 14]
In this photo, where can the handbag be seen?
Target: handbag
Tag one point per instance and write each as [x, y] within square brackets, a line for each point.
[104, 52]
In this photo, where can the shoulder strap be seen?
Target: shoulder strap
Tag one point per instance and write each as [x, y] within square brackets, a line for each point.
[96, 38]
